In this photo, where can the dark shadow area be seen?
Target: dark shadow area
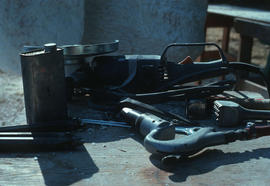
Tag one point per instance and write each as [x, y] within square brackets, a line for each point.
[207, 161]
[60, 167]
[66, 168]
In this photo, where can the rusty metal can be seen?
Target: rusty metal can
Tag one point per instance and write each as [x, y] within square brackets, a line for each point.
[44, 84]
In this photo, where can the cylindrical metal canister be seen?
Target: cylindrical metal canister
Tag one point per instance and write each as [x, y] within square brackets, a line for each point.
[44, 84]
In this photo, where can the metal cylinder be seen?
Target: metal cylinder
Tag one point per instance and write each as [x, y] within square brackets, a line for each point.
[44, 84]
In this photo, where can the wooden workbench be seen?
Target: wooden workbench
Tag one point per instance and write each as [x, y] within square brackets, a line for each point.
[248, 22]
[116, 156]
[254, 14]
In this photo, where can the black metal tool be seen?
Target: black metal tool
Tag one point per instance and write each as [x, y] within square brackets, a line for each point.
[153, 77]
[143, 107]
[201, 108]
[229, 113]
[159, 135]
[153, 73]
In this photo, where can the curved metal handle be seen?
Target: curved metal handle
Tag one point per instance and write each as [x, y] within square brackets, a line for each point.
[187, 145]
[163, 60]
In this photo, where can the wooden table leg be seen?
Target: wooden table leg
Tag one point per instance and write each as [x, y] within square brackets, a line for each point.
[226, 38]
[245, 49]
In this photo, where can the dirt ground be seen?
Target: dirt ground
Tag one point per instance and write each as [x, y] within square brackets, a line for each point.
[259, 51]
[12, 110]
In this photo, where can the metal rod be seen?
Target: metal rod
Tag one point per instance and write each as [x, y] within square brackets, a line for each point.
[107, 123]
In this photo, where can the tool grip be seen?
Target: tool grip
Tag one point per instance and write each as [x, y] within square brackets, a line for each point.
[187, 145]
[261, 131]
[250, 114]
[257, 104]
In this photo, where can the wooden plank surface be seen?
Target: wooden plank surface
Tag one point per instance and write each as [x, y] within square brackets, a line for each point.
[240, 12]
[254, 87]
[116, 156]
[252, 29]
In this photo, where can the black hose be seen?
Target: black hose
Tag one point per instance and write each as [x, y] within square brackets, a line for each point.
[190, 90]
[196, 76]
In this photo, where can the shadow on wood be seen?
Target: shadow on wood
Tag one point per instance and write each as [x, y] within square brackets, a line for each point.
[207, 161]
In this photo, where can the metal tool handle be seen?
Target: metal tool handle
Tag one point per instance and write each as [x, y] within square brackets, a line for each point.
[163, 55]
[257, 104]
[160, 135]
[251, 114]
[186, 145]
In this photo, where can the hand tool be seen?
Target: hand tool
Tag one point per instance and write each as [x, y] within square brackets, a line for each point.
[150, 73]
[159, 135]
[253, 103]
[197, 71]
[200, 108]
[154, 78]
[229, 113]
[143, 107]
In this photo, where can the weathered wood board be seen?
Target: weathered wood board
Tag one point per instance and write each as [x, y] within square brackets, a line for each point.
[116, 156]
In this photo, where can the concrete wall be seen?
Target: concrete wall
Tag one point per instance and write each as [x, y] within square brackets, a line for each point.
[144, 27]
[35, 22]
